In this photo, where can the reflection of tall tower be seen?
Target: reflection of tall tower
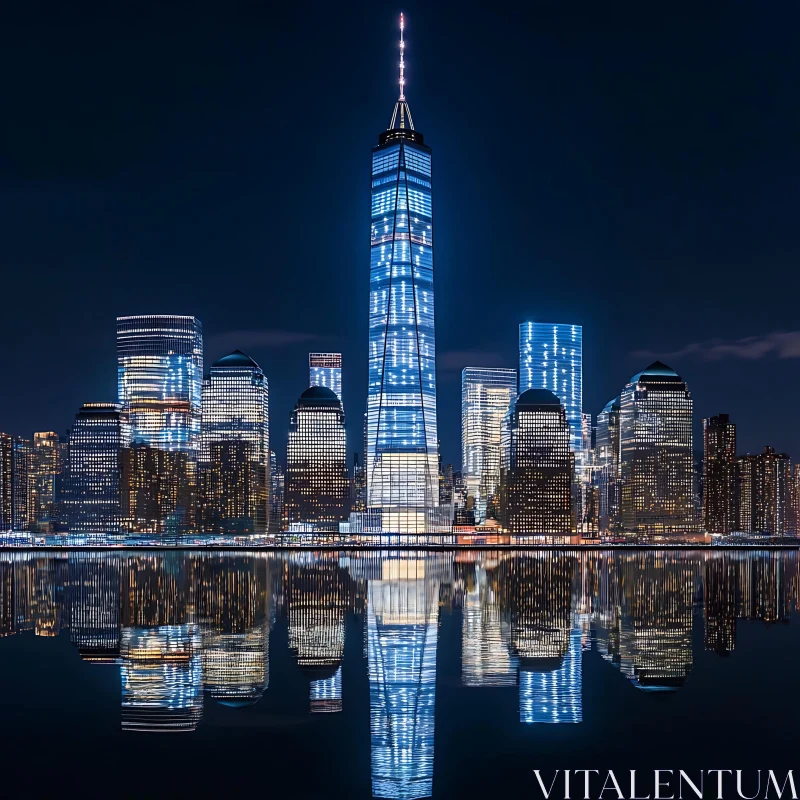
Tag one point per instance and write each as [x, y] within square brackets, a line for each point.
[234, 624]
[6, 598]
[402, 442]
[487, 659]
[720, 596]
[402, 618]
[553, 695]
[94, 623]
[318, 596]
[162, 686]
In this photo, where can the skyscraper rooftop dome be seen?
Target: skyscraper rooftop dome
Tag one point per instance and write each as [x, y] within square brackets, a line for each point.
[236, 359]
[318, 396]
[657, 370]
[537, 397]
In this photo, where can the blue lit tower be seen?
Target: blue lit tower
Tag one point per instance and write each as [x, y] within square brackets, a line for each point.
[402, 440]
[325, 369]
[551, 357]
[160, 378]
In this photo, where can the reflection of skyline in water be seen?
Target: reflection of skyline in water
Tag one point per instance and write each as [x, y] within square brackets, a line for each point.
[189, 629]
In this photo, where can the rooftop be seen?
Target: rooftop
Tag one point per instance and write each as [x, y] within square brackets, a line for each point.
[236, 359]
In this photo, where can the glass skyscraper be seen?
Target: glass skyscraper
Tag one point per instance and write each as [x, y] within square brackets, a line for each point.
[486, 396]
[606, 473]
[234, 446]
[97, 444]
[325, 369]
[402, 439]
[551, 357]
[656, 457]
[317, 488]
[159, 379]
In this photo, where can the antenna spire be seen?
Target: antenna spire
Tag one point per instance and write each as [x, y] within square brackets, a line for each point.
[402, 60]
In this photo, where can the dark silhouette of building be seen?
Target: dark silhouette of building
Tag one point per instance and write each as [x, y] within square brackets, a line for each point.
[719, 474]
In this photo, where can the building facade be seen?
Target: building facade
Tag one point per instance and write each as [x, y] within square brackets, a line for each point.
[656, 458]
[22, 484]
[402, 440]
[98, 441]
[325, 369]
[46, 467]
[764, 493]
[6, 482]
[486, 396]
[719, 475]
[537, 468]
[234, 448]
[606, 457]
[159, 378]
[317, 487]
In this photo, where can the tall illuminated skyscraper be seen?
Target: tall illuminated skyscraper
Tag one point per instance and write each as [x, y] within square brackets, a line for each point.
[98, 441]
[486, 396]
[551, 357]
[325, 369]
[234, 447]
[719, 474]
[159, 378]
[22, 484]
[764, 492]
[606, 452]
[402, 439]
[317, 488]
[656, 459]
[6, 472]
[46, 467]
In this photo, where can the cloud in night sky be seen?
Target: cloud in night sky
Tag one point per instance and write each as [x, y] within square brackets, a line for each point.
[778, 344]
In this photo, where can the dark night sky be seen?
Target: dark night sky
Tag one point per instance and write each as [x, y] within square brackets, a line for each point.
[633, 167]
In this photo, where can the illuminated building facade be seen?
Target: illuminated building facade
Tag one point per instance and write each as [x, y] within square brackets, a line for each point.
[6, 481]
[46, 468]
[606, 456]
[656, 458]
[234, 447]
[402, 440]
[486, 396]
[22, 496]
[551, 357]
[764, 492]
[159, 379]
[98, 442]
[537, 467]
[325, 369]
[719, 474]
[317, 488]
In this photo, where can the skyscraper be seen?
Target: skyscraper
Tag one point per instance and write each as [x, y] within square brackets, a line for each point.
[325, 369]
[46, 467]
[764, 492]
[402, 439]
[719, 474]
[606, 451]
[6, 474]
[98, 440]
[486, 396]
[316, 461]
[159, 377]
[551, 357]
[656, 452]
[234, 447]
[537, 466]
[22, 495]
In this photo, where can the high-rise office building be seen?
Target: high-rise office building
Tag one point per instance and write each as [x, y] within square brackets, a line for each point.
[22, 483]
[6, 482]
[402, 440]
[719, 474]
[325, 369]
[606, 457]
[277, 493]
[551, 357]
[537, 466]
[159, 377]
[46, 468]
[317, 487]
[234, 447]
[656, 459]
[764, 492]
[486, 396]
[98, 441]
